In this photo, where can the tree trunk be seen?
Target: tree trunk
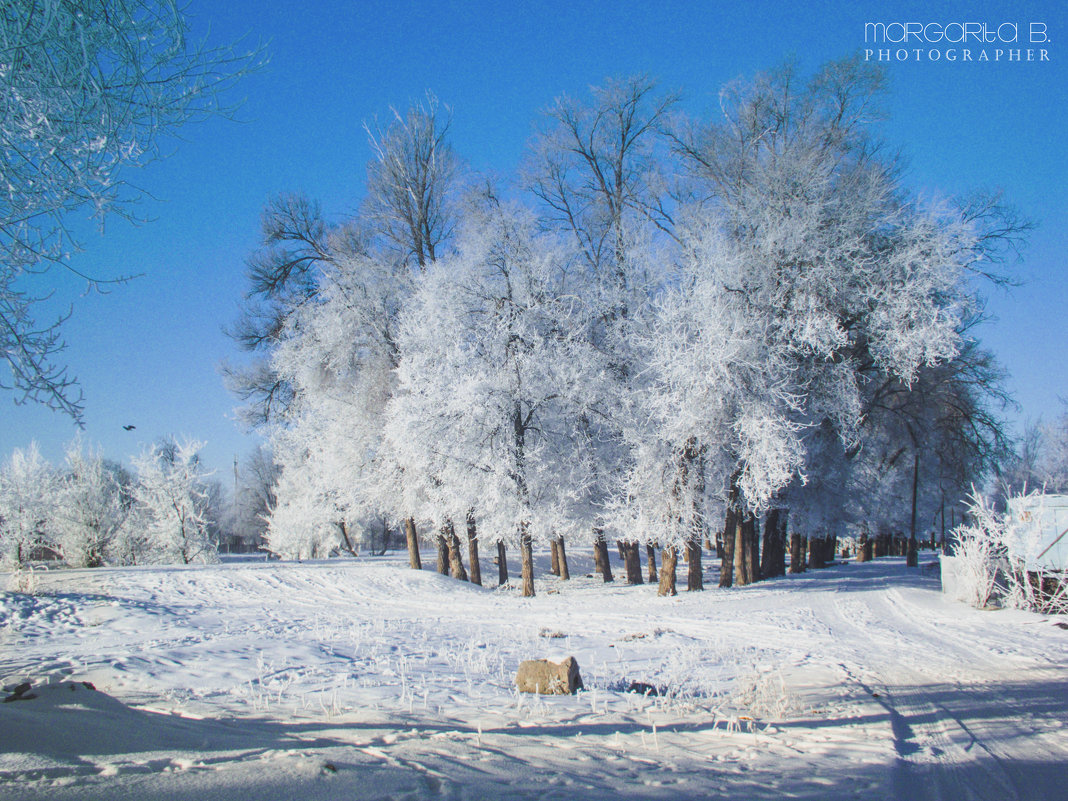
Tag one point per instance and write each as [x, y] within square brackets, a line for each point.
[767, 551]
[669, 556]
[730, 535]
[882, 545]
[773, 557]
[456, 563]
[472, 551]
[912, 558]
[565, 573]
[797, 553]
[345, 537]
[443, 554]
[746, 551]
[650, 553]
[502, 565]
[863, 547]
[527, 569]
[741, 564]
[633, 562]
[695, 579]
[816, 553]
[415, 562]
[600, 556]
[752, 538]
[554, 554]
[622, 551]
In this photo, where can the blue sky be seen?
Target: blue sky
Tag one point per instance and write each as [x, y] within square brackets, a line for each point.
[147, 354]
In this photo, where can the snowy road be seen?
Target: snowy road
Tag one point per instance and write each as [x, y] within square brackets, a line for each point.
[363, 679]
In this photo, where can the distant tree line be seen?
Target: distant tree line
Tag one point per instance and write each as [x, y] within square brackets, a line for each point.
[93, 511]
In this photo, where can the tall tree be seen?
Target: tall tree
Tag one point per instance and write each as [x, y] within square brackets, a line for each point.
[171, 503]
[27, 505]
[808, 270]
[489, 350]
[597, 169]
[91, 507]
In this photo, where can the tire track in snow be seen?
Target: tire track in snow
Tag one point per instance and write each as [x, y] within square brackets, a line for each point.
[938, 757]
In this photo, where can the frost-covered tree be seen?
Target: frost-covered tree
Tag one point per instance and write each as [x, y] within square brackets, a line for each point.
[821, 270]
[91, 508]
[411, 181]
[170, 523]
[283, 275]
[491, 347]
[338, 353]
[715, 403]
[1053, 462]
[27, 504]
[303, 524]
[256, 487]
[89, 89]
[323, 311]
[597, 166]
[1036, 461]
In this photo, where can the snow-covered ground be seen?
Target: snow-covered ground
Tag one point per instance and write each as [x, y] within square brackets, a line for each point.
[362, 679]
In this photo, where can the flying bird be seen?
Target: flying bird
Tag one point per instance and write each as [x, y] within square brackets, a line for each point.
[128, 428]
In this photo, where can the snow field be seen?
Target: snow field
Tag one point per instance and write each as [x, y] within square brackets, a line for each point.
[333, 677]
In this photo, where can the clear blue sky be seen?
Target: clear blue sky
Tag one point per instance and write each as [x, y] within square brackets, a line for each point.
[147, 354]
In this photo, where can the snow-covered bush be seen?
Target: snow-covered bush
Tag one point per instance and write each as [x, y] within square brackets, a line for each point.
[997, 552]
[976, 551]
[23, 580]
[301, 525]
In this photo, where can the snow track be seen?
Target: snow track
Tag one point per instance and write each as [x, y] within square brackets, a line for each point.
[364, 679]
